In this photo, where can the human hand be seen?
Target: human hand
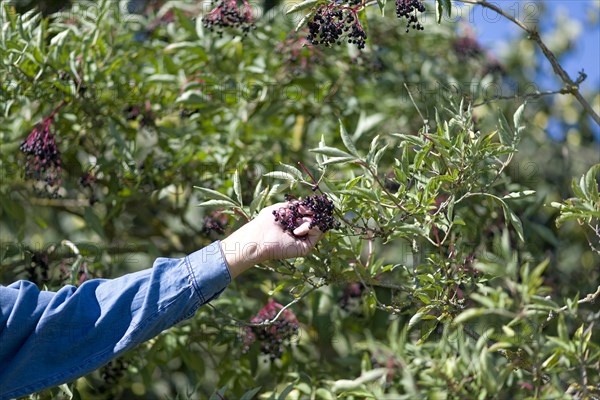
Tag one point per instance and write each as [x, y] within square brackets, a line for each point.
[263, 239]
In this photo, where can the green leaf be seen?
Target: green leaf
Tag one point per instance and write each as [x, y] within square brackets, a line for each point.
[217, 203]
[258, 201]
[237, 187]
[552, 360]
[162, 78]
[281, 175]
[331, 152]
[338, 160]
[303, 5]
[320, 393]
[469, 314]
[365, 123]
[448, 7]
[519, 195]
[249, 395]
[302, 22]
[510, 216]
[93, 221]
[412, 139]
[439, 10]
[518, 121]
[591, 185]
[292, 170]
[418, 316]
[284, 394]
[506, 134]
[348, 140]
[214, 195]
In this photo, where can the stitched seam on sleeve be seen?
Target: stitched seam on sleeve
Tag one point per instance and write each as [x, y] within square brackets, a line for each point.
[193, 280]
[225, 261]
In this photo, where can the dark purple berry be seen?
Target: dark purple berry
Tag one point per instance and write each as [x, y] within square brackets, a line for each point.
[215, 222]
[321, 210]
[43, 162]
[227, 14]
[334, 22]
[274, 337]
[408, 9]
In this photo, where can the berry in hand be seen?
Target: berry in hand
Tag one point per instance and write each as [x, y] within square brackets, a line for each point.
[333, 23]
[275, 336]
[227, 14]
[408, 9]
[320, 210]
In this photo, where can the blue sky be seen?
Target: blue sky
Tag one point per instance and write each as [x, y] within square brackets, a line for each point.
[493, 32]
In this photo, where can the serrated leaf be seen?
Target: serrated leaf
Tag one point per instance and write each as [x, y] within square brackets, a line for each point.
[418, 316]
[469, 314]
[439, 10]
[217, 203]
[237, 186]
[292, 170]
[348, 140]
[552, 360]
[381, 4]
[519, 195]
[591, 185]
[338, 160]
[518, 121]
[448, 7]
[366, 123]
[331, 152]
[412, 139]
[280, 175]
[379, 154]
[249, 395]
[510, 216]
[302, 22]
[506, 134]
[303, 5]
[258, 201]
[213, 194]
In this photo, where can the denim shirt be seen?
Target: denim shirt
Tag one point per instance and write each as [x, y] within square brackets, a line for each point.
[49, 338]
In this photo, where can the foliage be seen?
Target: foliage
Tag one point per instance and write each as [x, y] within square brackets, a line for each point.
[448, 276]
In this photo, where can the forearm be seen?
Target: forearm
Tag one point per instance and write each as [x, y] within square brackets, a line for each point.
[76, 330]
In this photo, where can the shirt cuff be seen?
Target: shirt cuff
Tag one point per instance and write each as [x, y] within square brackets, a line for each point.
[209, 271]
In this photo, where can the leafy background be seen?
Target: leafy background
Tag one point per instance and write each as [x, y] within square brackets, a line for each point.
[449, 199]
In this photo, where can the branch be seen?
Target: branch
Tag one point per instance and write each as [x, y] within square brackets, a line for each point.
[267, 322]
[571, 87]
[590, 298]
[535, 95]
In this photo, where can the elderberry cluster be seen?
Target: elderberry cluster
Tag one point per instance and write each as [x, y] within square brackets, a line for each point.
[215, 222]
[227, 14]
[319, 208]
[467, 47]
[408, 9]
[43, 162]
[334, 23]
[273, 337]
[350, 299]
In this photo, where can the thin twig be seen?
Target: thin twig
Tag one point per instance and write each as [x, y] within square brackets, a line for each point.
[267, 322]
[590, 298]
[571, 86]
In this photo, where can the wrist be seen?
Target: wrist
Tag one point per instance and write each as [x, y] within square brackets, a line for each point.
[238, 255]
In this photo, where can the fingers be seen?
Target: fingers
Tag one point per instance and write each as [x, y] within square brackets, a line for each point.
[304, 228]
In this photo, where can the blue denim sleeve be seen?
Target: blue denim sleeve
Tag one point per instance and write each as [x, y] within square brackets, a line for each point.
[48, 338]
